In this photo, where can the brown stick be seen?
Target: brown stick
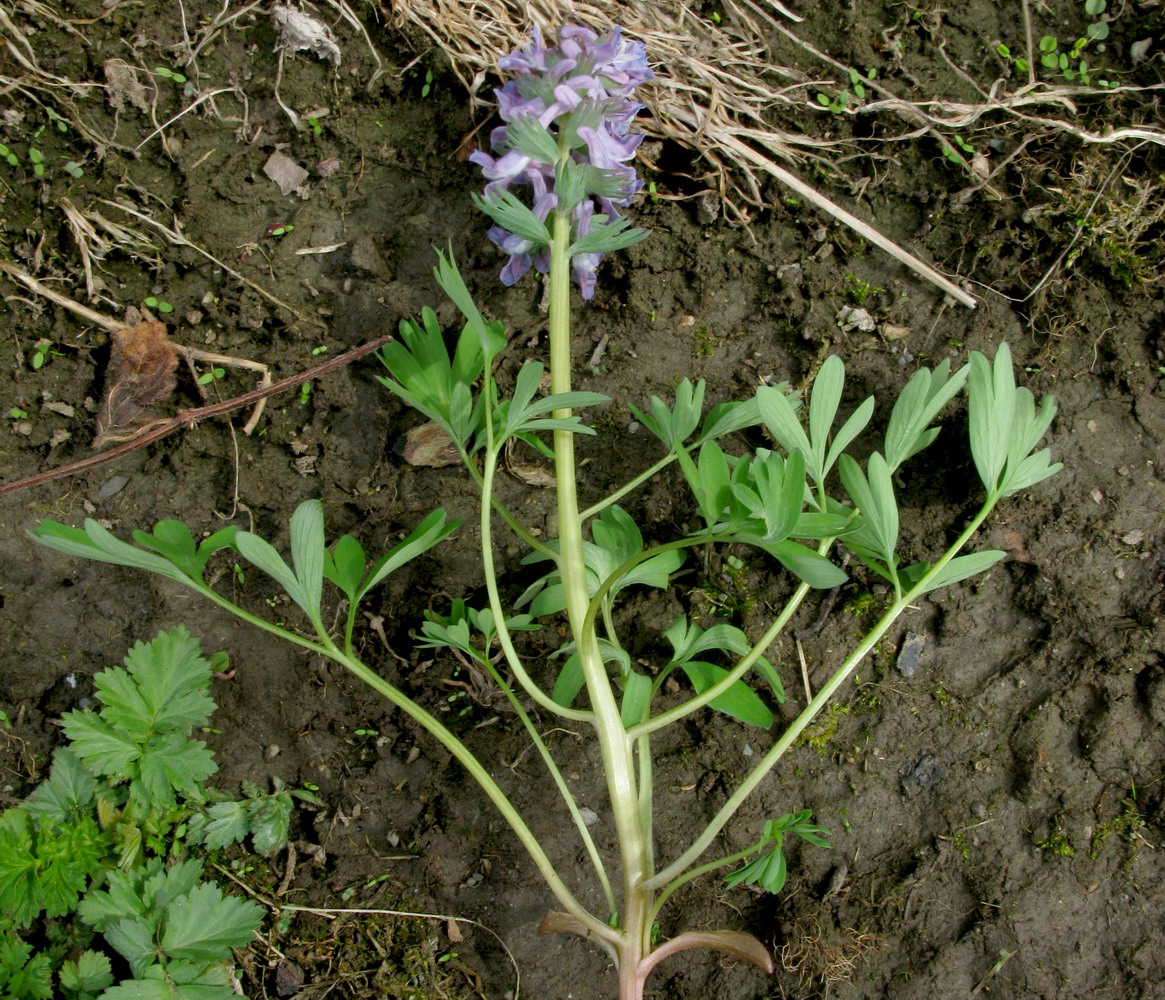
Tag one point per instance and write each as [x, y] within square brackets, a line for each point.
[188, 418]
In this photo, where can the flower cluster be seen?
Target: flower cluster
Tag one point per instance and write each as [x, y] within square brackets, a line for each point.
[568, 110]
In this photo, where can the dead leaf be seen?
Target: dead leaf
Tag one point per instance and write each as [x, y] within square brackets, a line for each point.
[285, 172]
[140, 373]
[525, 467]
[427, 445]
[300, 32]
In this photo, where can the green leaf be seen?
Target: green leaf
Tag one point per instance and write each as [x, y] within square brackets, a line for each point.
[805, 563]
[67, 795]
[636, 698]
[308, 553]
[170, 764]
[508, 211]
[203, 925]
[90, 973]
[739, 701]
[270, 821]
[607, 237]
[780, 418]
[451, 282]
[133, 939]
[104, 749]
[344, 566]
[917, 405]
[529, 137]
[171, 681]
[263, 555]
[958, 569]
[873, 494]
[433, 530]
[226, 823]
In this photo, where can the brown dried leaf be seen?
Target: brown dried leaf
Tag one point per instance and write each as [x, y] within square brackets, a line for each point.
[140, 373]
[427, 445]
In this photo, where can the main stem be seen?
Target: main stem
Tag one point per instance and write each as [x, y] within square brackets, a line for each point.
[614, 745]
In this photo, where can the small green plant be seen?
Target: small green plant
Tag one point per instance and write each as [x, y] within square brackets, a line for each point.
[305, 394]
[280, 229]
[857, 290]
[1020, 63]
[152, 302]
[1057, 843]
[98, 848]
[1071, 63]
[169, 74]
[838, 103]
[317, 351]
[7, 154]
[315, 126]
[427, 87]
[36, 158]
[74, 169]
[16, 413]
[41, 352]
[206, 378]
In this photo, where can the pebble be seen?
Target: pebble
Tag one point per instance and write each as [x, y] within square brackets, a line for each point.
[111, 486]
[271, 751]
[978, 810]
[911, 654]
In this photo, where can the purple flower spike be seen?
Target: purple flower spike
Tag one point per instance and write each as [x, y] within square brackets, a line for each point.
[568, 111]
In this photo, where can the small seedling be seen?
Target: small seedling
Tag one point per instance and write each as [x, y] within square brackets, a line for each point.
[428, 87]
[240, 575]
[366, 732]
[150, 302]
[316, 127]
[37, 160]
[73, 169]
[317, 351]
[168, 74]
[1019, 62]
[305, 394]
[836, 105]
[7, 154]
[211, 376]
[16, 413]
[41, 354]
[280, 229]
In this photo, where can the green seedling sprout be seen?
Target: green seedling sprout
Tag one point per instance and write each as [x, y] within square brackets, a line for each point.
[206, 378]
[151, 302]
[168, 74]
[305, 394]
[793, 503]
[16, 413]
[7, 154]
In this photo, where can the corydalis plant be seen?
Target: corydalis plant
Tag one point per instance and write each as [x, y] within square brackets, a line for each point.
[567, 111]
[783, 502]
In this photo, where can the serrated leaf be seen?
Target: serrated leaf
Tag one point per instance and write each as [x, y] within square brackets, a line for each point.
[103, 748]
[270, 821]
[169, 764]
[172, 680]
[133, 939]
[90, 973]
[509, 212]
[67, 794]
[225, 823]
[204, 925]
[529, 137]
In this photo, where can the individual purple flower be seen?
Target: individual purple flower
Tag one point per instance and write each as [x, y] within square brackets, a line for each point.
[568, 112]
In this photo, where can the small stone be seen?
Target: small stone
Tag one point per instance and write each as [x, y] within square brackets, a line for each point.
[589, 816]
[978, 810]
[911, 654]
[271, 751]
[114, 484]
[1134, 537]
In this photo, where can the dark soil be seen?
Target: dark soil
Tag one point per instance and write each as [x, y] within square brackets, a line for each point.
[1007, 797]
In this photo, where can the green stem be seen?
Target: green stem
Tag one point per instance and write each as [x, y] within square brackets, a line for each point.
[627, 487]
[499, 612]
[703, 869]
[819, 701]
[448, 740]
[559, 781]
[614, 747]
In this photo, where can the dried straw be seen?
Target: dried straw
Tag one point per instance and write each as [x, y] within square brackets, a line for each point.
[715, 88]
